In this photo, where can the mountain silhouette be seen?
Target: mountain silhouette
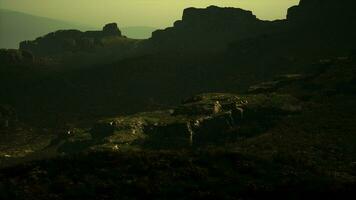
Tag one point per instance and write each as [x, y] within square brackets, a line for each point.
[17, 26]
[214, 28]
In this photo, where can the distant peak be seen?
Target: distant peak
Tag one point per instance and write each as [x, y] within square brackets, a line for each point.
[111, 29]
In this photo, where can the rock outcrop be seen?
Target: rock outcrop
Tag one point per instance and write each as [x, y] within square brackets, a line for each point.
[200, 120]
[63, 41]
[321, 12]
[210, 29]
[214, 28]
[111, 29]
[328, 21]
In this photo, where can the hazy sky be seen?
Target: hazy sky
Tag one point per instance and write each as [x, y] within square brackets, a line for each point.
[156, 13]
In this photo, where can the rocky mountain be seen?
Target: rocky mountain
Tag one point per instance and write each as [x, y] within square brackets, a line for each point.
[318, 12]
[210, 29]
[70, 40]
[324, 26]
[214, 28]
[220, 106]
[74, 48]
[217, 53]
[18, 26]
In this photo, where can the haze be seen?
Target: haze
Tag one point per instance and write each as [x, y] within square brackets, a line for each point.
[154, 13]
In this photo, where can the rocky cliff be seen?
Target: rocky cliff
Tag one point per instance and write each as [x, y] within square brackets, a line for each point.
[210, 29]
[323, 11]
[213, 28]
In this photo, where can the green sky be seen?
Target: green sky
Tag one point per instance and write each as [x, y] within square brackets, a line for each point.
[156, 13]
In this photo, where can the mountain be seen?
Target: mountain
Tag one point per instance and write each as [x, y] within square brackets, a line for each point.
[63, 41]
[219, 50]
[17, 27]
[222, 105]
[325, 12]
[210, 29]
[74, 48]
[213, 28]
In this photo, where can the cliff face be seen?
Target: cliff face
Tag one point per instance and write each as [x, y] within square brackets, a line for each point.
[213, 28]
[210, 29]
[330, 22]
[70, 40]
[322, 12]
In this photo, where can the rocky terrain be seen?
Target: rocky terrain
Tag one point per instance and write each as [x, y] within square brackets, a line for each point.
[279, 141]
[220, 106]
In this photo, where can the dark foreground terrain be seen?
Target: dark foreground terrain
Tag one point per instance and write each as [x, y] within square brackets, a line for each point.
[289, 138]
[237, 109]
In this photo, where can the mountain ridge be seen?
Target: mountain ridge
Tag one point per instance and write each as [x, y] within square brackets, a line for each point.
[18, 26]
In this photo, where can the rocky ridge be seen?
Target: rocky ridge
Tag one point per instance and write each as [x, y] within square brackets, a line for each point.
[210, 29]
[214, 28]
[63, 41]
